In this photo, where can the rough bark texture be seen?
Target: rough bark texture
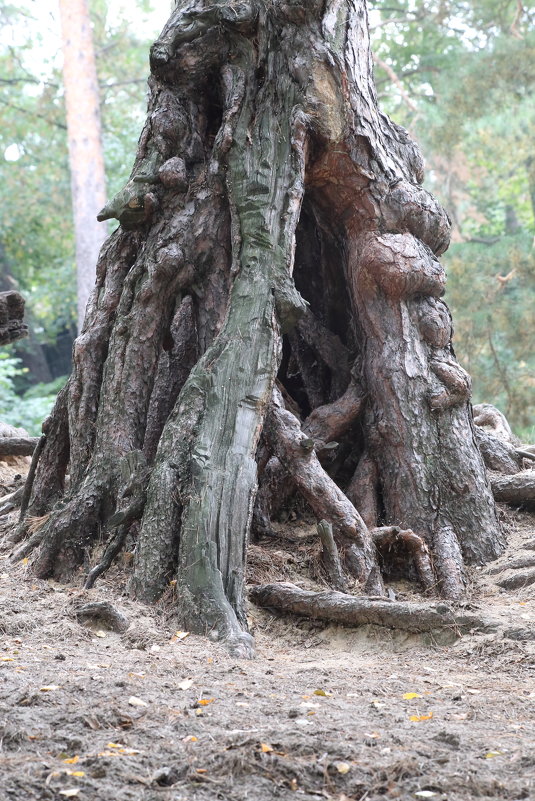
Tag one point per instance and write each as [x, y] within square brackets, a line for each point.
[517, 489]
[12, 325]
[86, 159]
[338, 607]
[264, 151]
[18, 446]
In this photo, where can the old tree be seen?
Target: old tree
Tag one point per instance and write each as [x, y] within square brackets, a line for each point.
[267, 320]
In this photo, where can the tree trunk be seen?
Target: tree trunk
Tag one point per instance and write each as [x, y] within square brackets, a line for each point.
[84, 136]
[264, 149]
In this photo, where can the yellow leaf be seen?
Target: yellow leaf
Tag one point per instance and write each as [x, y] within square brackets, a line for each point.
[321, 692]
[115, 745]
[492, 754]
[72, 761]
[190, 739]
[48, 688]
[266, 748]
[25, 560]
[205, 701]
[77, 773]
[6, 659]
[342, 767]
[410, 696]
[417, 718]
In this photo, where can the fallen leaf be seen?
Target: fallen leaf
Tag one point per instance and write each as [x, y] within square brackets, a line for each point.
[100, 633]
[266, 748]
[205, 701]
[6, 659]
[491, 754]
[186, 684]
[71, 792]
[77, 773]
[135, 701]
[417, 718]
[135, 675]
[322, 693]
[48, 688]
[342, 767]
[181, 635]
[202, 770]
[115, 745]
[25, 560]
[72, 761]
[190, 739]
[410, 696]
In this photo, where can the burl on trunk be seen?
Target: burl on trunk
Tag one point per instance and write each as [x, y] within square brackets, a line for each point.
[264, 150]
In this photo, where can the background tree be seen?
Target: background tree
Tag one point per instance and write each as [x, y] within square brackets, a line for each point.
[86, 157]
[263, 141]
[463, 84]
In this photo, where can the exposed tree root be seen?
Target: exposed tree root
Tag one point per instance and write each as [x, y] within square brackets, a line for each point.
[296, 453]
[18, 446]
[337, 607]
[517, 489]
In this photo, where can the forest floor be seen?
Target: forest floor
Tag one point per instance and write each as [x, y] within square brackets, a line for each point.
[321, 713]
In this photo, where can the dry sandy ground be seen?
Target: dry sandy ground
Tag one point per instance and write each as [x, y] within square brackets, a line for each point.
[321, 713]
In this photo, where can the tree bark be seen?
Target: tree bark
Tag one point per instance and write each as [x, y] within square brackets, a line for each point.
[86, 158]
[517, 489]
[12, 325]
[337, 607]
[264, 149]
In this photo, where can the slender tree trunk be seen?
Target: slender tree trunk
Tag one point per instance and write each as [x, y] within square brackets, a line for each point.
[264, 150]
[84, 136]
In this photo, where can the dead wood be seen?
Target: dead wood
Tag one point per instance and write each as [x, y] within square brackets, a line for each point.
[337, 607]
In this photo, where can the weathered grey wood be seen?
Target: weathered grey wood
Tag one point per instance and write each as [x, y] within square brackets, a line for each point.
[18, 446]
[331, 557]
[337, 607]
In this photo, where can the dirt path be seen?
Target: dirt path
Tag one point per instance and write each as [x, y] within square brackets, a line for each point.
[322, 713]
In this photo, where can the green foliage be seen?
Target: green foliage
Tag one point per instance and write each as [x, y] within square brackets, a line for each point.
[469, 68]
[32, 408]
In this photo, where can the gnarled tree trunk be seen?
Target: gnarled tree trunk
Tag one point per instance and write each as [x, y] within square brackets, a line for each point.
[264, 149]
